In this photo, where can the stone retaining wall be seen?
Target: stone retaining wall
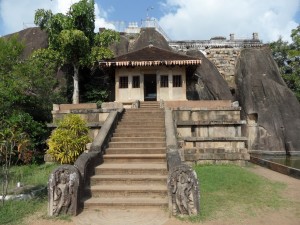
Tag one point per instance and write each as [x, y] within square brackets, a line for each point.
[276, 167]
[211, 135]
[225, 60]
[88, 111]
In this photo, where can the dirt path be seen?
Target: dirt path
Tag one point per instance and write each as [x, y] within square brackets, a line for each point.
[286, 216]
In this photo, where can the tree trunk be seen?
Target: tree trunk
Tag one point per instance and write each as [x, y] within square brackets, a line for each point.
[76, 85]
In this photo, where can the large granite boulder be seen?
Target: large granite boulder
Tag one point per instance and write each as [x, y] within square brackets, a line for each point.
[206, 83]
[269, 106]
[121, 47]
[33, 38]
[149, 36]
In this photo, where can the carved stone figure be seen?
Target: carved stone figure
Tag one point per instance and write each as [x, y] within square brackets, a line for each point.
[184, 190]
[63, 191]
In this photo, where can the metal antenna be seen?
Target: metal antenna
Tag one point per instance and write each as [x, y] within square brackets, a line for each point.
[149, 8]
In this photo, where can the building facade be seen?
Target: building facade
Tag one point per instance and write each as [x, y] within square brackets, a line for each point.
[151, 74]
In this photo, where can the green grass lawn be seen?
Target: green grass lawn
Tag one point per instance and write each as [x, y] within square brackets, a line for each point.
[34, 175]
[233, 192]
[226, 191]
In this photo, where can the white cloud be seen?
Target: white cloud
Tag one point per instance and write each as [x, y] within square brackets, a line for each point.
[100, 21]
[203, 19]
[17, 15]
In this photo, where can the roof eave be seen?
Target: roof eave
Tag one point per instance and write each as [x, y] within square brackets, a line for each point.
[150, 63]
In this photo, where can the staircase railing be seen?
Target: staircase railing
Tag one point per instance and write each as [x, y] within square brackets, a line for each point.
[183, 186]
[67, 183]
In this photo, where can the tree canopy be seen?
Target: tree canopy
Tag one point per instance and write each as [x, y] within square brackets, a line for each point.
[26, 93]
[287, 56]
[72, 36]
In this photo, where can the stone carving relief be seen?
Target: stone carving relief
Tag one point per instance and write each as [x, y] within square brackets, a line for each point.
[183, 189]
[63, 191]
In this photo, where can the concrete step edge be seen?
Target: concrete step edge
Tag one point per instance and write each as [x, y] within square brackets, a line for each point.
[145, 156]
[129, 177]
[125, 201]
[140, 166]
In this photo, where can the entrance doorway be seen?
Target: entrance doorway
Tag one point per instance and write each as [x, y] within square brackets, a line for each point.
[150, 92]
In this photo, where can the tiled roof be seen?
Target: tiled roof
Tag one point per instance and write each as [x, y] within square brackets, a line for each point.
[152, 56]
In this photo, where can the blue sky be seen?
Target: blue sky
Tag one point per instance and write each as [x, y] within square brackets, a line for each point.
[180, 19]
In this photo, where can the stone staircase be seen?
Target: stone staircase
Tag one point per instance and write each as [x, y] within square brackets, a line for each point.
[134, 172]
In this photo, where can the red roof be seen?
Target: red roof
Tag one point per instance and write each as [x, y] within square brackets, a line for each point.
[152, 56]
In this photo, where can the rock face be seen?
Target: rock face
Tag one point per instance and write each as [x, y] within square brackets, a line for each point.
[206, 83]
[150, 36]
[270, 108]
[33, 39]
[121, 47]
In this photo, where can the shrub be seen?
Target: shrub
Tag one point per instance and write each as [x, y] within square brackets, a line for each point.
[68, 141]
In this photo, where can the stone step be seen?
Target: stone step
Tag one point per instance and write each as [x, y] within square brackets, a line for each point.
[149, 107]
[125, 203]
[129, 191]
[150, 103]
[138, 139]
[137, 158]
[136, 144]
[136, 150]
[144, 119]
[144, 114]
[144, 111]
[150, 126]
[129, 179]
[132, 168]
[139, 130]
[142, 123]
[140, 134]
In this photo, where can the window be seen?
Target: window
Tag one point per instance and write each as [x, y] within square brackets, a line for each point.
[123, 82]
[164, 81]
[177, 81]
[136, 82]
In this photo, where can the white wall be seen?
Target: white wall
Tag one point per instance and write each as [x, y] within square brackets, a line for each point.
[131, 94]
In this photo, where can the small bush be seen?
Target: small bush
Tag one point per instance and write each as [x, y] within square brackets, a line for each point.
[68, 141]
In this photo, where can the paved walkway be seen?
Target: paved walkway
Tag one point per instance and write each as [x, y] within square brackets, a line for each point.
[122, 217]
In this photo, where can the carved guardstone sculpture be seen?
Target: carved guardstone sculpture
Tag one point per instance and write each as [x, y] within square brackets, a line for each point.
[63, 191]
[183, 190]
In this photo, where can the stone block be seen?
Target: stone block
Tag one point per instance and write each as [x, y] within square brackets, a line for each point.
[219, 156]
[189, 157]
[202, 131]
[219, 150]
[189, 151]
[185, 115]
[189, 144]
[194, 116]
[102, 117]
[202, 157]
[55, 107]
[78, 106]
[112, 105]
[184, 131]
[201, 150]
[92, 117]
